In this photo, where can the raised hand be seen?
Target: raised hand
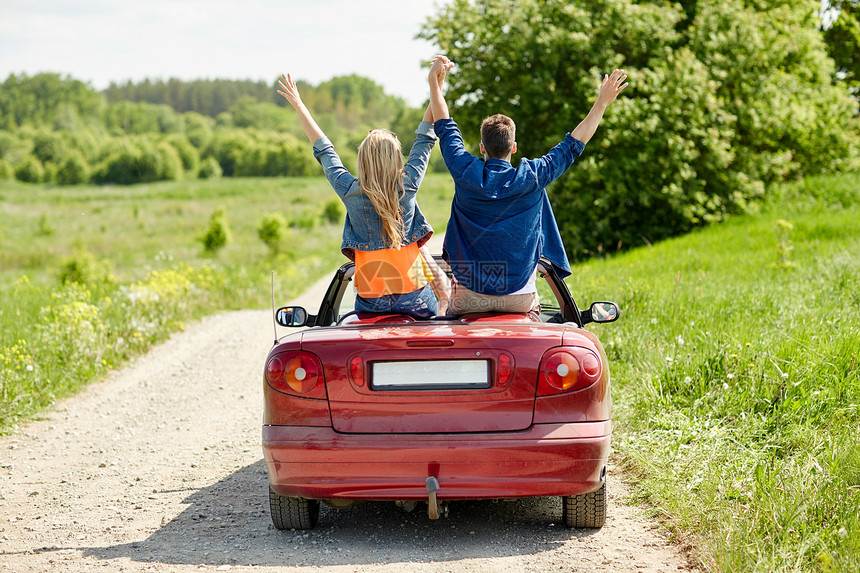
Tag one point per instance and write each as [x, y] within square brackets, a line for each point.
[439, 69]
[290, 91]
[291, 94]
[611, 86]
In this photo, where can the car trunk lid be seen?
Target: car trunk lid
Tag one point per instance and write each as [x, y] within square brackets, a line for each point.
[439, 377]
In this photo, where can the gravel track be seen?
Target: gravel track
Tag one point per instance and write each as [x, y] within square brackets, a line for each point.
[159, 468]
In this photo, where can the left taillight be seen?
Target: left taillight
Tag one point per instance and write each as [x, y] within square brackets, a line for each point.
[568, 369]
[297, 372]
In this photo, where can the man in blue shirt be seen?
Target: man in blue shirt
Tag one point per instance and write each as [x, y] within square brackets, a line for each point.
[501, 219]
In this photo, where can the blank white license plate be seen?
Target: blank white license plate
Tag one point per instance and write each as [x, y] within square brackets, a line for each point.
[430, 375]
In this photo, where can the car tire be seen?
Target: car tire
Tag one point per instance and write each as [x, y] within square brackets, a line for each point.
[293, 512]
[585, 511]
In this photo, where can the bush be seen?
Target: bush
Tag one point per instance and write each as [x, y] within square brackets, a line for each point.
[74, 170]
[139, 162]
[45, 229]
[198, 129]
[119, 167]
[272, 230]
[230, 149]
[171, 162]
[209, 168]
[305, 219]
[85, 269]
[6, 170]
[187, 153]
[49, 146]
[218, 235]
[333, 211]
[150, 164]
[30, 170]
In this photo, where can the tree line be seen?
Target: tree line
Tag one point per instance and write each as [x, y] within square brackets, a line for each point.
[60, 130]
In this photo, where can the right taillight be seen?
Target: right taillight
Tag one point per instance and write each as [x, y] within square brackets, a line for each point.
[567, 369]
[504, 369]
[356, 370]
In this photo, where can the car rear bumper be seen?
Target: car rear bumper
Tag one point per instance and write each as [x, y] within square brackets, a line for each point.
[544, 460]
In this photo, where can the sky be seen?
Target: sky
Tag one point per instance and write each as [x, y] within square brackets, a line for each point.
[104, 41]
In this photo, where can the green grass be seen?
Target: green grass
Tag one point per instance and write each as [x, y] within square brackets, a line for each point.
[736, 366]
[736, 361]
[145, 269]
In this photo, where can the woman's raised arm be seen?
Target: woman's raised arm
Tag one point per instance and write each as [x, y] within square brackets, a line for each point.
[291, 94]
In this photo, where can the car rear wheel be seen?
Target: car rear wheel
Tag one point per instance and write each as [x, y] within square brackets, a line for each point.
[293, 512]
[586, 510]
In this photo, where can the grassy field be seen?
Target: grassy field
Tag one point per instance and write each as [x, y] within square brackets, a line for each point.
[144, 269]
[736, 362]
[736, 365]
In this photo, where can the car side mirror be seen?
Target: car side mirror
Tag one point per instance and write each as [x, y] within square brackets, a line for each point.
[291, 316]
[602, 312]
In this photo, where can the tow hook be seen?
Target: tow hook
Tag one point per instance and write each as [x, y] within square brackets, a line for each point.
[434, 508]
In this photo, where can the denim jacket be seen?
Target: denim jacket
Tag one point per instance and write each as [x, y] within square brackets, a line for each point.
[501, 218]
[363, 228]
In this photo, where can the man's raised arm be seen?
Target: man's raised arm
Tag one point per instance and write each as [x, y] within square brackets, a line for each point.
[611, 86]
[441, 66]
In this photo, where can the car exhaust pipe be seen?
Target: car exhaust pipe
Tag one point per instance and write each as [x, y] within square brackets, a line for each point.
[434, 508]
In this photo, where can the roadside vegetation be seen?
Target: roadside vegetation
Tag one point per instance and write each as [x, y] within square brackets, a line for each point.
[736, 361]
[736, 370]
[93, 276]
[718, 205]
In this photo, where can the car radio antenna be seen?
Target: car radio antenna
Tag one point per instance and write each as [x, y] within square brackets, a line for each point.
[274, 318]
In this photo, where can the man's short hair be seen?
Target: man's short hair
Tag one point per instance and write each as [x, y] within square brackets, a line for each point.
[498, 134]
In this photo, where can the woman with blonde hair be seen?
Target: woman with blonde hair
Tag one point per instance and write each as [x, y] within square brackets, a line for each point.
[384, 229]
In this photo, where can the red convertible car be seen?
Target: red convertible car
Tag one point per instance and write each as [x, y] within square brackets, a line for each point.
[362, 407]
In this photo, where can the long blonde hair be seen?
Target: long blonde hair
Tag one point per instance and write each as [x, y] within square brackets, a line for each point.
[380, 174]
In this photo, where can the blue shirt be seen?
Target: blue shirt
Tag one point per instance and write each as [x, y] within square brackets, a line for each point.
[362, 229]
[501, 218]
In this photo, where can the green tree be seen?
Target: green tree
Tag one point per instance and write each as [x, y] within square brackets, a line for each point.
[74, 170]
[30, 170]
[198, 129]
[171, 162]
[725, 99]
[136, 161]
[209, 169]
[141, 118]
[40, 99]
[841, 26]
[188, 154]
[6, 170]
[49, 146]
[229, 148]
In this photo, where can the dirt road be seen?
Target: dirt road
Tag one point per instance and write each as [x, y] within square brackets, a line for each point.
[159, 468]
